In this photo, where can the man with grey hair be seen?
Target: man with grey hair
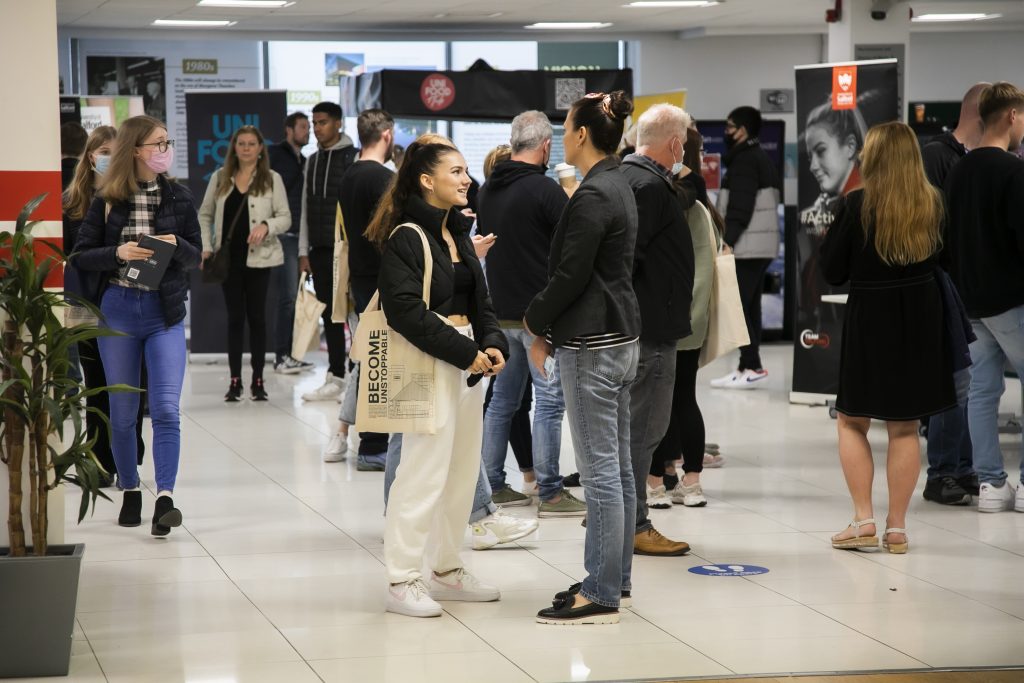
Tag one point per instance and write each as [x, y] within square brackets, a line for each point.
[663, 282]
[521, 205]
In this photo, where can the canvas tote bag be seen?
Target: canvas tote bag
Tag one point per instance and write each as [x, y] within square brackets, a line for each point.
[398, 385]
[306, 328]
[339, 302]
[727, 328]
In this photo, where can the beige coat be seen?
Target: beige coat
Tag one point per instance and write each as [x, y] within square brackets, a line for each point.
[271, 209]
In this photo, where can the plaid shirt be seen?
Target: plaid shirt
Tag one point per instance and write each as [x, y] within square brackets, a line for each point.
[140, 222]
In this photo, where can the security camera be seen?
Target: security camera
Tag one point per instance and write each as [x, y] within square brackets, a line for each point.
[879, 14]
[880, 9]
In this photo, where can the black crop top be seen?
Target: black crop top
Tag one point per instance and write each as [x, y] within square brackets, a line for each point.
[463, 289]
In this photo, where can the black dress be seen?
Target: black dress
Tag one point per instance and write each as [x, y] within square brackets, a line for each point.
[896, 362]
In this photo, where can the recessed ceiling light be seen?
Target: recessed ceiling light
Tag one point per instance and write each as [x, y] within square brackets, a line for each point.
[257, 4]
[673, 3]
[194, 23]
[568, 25]
[967, 16]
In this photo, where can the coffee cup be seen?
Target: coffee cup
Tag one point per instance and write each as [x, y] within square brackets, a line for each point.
[566, 174]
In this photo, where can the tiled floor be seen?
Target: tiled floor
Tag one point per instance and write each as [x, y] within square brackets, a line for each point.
[276, 575]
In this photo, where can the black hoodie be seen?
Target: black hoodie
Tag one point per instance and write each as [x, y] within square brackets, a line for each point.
[521, 205]
[940, 156]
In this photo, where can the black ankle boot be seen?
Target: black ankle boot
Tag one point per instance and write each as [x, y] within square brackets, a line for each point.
[131, 509]
[259, 392]
[165, 516]
[234, 391]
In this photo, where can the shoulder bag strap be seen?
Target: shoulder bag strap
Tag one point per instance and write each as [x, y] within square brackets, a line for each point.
[428, 260]
[234, 221]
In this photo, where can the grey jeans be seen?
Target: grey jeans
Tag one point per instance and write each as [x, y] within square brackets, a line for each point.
[650, 409]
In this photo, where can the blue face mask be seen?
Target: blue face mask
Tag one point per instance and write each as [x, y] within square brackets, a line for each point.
[677, 167]
[102, 163]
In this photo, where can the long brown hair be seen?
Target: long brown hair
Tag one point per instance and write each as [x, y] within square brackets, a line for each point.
[905, 209]
[693, 149]
[120, 182]
[79, 194]
[262, 180]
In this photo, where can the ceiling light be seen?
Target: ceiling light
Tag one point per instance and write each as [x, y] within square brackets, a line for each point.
[973, 16]
[260, 4]
[194, 23]
[568, 25]
[673, 3]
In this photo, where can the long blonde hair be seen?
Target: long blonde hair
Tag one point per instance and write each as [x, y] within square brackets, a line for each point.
[262, 181]
[905, 209]
[120, 182]
[79, 194]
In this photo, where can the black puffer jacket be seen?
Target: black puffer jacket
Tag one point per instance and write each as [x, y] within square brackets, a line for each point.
[99, 237]
[401, 288]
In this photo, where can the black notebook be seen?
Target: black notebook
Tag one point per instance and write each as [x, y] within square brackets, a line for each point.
[149, 272]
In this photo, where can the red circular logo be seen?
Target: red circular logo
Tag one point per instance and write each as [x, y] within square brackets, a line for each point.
[437, 92]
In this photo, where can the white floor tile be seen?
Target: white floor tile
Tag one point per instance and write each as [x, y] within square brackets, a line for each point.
[463, 667]
[613, 662]
[408, 636]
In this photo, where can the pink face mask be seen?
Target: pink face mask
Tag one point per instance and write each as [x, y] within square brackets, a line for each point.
[161, 162]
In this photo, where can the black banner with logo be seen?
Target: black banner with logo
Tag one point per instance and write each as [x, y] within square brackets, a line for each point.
[213, 117]
[477, 95]
[835, 105]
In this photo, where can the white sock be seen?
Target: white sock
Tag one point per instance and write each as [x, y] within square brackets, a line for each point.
[165, 493]
[132, 489]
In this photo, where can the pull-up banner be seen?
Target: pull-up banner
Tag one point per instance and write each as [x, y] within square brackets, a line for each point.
[835, 106]
[482, 95]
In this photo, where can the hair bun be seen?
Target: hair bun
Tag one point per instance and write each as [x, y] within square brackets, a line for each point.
[620, 105]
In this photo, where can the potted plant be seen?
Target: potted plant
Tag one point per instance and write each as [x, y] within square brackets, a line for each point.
[43, 435]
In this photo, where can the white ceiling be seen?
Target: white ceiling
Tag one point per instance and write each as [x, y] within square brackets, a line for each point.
[504, 16]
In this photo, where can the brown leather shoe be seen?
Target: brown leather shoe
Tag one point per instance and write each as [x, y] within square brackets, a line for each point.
[650, 542]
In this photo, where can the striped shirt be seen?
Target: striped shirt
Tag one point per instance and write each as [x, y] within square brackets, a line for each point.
[595, 342]
[141, 219]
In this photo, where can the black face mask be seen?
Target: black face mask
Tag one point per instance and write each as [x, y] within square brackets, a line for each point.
[730, 141]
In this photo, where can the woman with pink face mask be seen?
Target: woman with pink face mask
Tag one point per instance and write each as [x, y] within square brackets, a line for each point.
[137, 198]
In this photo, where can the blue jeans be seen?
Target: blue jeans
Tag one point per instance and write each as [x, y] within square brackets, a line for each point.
[548, 408]
[949, 438]
[139, 316]
[1000, 339]
[482, 505]
[284, 280]
[596, 388]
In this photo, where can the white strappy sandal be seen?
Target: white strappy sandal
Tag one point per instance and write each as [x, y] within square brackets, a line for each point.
[896, 548]
[858, 541]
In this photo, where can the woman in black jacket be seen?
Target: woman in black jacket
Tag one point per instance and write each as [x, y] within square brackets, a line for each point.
[137, 200]
[438, 475]
[590, 316]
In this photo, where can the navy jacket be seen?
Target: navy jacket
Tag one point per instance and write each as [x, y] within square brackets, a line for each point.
[291, 166]
[98, 239]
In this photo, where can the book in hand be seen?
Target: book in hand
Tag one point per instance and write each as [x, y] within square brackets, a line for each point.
[149, 272]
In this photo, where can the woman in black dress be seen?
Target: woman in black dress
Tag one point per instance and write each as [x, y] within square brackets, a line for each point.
[896, 364]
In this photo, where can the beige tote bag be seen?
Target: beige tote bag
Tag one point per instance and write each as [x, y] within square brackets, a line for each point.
[306, 328]
[398, 387]
[339, 299]
[727, 328]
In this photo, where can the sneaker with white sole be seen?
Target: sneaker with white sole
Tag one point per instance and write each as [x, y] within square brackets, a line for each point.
[286, 365]
[411, 599]
[461, 586]
[992, 498]
[724, 382]
[337, 447]
[1018, 501]
[691, 496]
[713, 460]
[749, 379]
[328, 391]
[498, 528]
[657, 498]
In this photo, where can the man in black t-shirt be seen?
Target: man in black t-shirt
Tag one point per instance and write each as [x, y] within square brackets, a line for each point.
[985, 243]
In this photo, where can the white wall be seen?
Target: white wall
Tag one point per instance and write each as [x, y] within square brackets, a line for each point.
[945, 65]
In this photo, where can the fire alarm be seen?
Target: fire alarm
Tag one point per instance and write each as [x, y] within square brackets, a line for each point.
[833, 15]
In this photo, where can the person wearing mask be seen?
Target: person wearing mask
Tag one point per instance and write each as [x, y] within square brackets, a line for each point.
[138, 199]
[663, 282]
[73, 139]
[435, 488]
[985, 244]
[520, 205]
[287, 161]
[244, 210]
[896, 358]
[320, 210]
[951, 477]
[588, 317]
[749, 201]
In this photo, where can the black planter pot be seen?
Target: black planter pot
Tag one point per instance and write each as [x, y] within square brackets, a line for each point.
[37, 611]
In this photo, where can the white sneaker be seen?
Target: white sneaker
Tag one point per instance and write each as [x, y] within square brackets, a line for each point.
[691, 496]
[336, 449]
[462, 586]
[1018, 501]
[996, 498]
[657, 498]
[411, 599]
[713, 460]
[725, 382]
[330, 390]
[748, 379]
[500, 528]
[530, 488]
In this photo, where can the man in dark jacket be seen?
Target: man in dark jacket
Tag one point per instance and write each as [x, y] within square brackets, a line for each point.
[320, 209]
[287, 160]
[951, 477]
[749, 202]
[520, 205]
[663, 282]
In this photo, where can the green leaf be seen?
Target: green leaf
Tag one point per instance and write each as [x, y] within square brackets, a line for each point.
[20, 224]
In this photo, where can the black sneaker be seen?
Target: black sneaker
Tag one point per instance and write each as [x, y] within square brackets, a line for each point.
[259, 392]
[572, 481]
[562, 613]
[165, 516]
[969, 483]
[946, 491]
[625, 601]
[234, 390]
[131, 509]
